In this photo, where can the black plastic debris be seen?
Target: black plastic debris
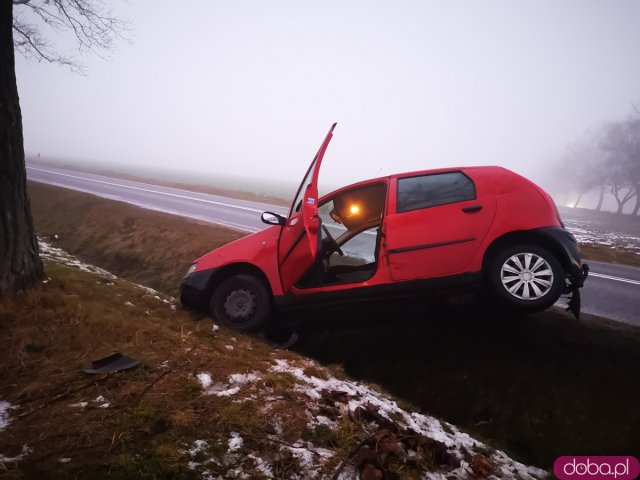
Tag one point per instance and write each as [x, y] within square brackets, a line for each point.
[281, 339]
[113, 363]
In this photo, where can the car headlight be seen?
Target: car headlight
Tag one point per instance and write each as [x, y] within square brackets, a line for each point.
[192, 269]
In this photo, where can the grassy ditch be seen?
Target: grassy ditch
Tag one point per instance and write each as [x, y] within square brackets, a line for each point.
[538, 387]
[151, 248]
[148, 419]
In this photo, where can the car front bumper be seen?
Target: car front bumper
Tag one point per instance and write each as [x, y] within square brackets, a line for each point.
[196, 290]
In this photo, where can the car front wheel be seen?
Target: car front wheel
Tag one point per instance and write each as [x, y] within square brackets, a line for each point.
[526, 277]
[241, 302]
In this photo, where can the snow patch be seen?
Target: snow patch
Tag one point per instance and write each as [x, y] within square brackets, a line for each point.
[235, 442]
[226, 393]
[584, 234]
[242, 378]
[361, 396]
[26, 450]
[261, 466]
[102, 401]
[234, 382]
[322, 420]
[205, 380]
[197, 447]
[4, 414]
[49, 252]
[54, 254]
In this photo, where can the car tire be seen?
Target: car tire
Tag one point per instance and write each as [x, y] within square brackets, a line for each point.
[526, 278]
[242, 302]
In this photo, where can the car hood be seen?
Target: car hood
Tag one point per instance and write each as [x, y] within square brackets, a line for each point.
[257, 248]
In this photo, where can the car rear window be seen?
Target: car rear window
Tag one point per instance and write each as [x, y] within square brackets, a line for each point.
[433, 190]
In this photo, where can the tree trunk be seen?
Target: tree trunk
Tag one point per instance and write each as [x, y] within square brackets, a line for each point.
[637, 206]
[600, 199]
[575, 205]
[616, 190]
[20, 265]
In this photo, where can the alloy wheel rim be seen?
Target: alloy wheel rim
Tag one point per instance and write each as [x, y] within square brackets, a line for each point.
[241, 304]
[526, 276]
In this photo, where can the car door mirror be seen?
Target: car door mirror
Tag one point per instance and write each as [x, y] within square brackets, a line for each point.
[271, 218]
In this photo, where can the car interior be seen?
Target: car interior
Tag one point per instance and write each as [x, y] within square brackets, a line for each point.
[350, 237]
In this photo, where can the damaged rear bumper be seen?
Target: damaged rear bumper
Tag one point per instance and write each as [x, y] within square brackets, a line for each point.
[576, 281]
[577, 272]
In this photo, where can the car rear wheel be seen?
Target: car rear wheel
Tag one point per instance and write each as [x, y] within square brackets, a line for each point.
[242, 302]
[526, 277]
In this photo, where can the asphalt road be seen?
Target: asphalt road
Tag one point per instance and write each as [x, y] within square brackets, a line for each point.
[231, 212]
[612, 291]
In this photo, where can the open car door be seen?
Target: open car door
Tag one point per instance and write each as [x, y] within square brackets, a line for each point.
[300, 237]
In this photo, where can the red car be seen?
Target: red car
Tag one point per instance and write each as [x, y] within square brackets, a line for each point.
[405, 231]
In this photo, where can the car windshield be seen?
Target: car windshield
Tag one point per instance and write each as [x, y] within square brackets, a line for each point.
[297, 202]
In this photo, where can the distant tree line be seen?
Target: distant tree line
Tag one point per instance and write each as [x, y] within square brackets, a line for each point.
[606, 161]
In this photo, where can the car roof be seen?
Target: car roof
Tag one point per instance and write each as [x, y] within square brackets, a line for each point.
[416, 173]
[484, 168]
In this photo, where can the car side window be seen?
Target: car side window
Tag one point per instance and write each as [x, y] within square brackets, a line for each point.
[432, 190]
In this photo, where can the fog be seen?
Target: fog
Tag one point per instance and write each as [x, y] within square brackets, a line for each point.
[248, 89]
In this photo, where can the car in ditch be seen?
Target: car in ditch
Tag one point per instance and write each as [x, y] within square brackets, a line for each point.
[399, 233]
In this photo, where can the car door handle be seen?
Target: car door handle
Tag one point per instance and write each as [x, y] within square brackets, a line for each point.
[472, 208]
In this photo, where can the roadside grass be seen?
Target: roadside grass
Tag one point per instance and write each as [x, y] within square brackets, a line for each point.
[539, 387]
[147, 247]
[605, 236]
[203, 403]
[603, 253]
[155, 412]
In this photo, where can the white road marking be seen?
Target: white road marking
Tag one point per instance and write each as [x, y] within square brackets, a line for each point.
[617, 279]
[148, 190]
[149, 206]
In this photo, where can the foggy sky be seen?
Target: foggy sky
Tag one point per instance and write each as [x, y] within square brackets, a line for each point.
[249, 88]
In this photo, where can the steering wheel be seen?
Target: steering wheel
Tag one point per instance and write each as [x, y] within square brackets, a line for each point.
[334, 245]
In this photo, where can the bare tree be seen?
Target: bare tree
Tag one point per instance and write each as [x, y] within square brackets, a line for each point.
[633, 145]
[621, 143]
[94, 27]
[607, 159]
[95, 30]
[582, 167]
